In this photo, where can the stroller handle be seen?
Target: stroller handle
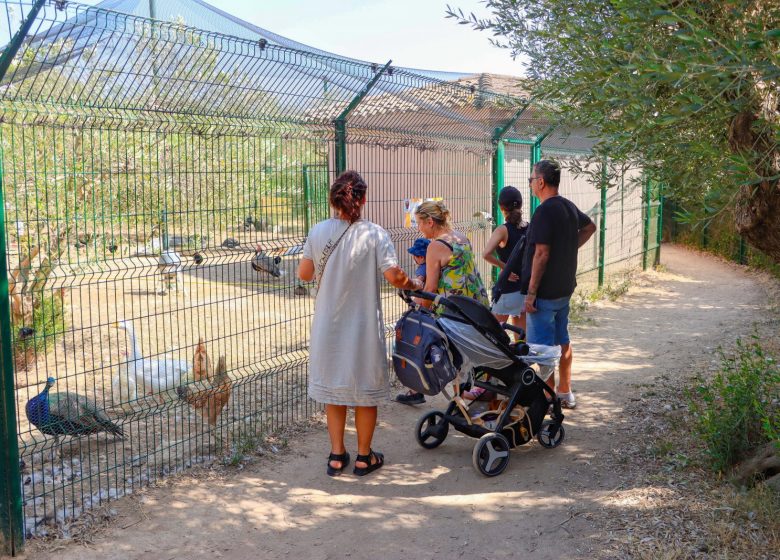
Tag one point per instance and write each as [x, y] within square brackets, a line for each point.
[514, 329]
[407, 296]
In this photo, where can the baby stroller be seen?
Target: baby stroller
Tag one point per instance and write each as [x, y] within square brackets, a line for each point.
[466, 345]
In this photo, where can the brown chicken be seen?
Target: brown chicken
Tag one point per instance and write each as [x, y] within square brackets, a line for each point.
[211, 393]
[201, 365]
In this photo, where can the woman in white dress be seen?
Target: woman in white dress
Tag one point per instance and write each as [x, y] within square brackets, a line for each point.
[348, 357]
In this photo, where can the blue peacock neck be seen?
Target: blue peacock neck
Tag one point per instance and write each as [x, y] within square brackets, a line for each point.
[38, 408]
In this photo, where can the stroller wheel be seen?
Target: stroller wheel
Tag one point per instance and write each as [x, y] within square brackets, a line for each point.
[431, 429]
[550, 435]
[491, 454]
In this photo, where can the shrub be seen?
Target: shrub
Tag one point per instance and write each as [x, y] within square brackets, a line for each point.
[738, 410]
[48, 319]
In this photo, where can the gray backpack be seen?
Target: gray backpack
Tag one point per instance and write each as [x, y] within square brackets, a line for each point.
[422, 357]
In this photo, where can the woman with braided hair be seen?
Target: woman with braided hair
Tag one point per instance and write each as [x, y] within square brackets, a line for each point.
[498, 249]
[348, 256]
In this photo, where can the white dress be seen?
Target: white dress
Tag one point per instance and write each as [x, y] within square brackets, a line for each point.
[347, 353]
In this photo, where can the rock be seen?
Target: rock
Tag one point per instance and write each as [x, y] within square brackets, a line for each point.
[773, 483]
[765, 464]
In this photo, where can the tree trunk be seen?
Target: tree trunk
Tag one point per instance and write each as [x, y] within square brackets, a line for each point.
[757, 208]
[757, 217]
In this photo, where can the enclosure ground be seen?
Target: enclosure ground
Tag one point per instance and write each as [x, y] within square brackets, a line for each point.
[576, 501]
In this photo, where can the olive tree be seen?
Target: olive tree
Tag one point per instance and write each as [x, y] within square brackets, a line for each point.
[690, 90]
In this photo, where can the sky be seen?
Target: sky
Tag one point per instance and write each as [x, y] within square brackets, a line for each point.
[413, 33]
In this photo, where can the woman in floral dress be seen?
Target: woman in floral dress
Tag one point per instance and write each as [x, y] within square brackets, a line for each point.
[450, 265]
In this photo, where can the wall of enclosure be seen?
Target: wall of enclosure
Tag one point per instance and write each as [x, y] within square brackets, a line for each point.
[158, 182]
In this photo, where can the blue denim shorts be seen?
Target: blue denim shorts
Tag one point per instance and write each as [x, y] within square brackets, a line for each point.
[550, 324]
[509, 304]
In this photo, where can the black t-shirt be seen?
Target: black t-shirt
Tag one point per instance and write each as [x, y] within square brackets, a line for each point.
[515, 234]
[556, 223]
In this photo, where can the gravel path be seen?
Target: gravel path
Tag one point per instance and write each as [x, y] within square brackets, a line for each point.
[432, 504]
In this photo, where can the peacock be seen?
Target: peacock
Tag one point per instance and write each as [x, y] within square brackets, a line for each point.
[145, 375]
[67, 414]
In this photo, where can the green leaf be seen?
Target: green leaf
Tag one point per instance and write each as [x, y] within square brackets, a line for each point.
[773, 34]
[668, 20]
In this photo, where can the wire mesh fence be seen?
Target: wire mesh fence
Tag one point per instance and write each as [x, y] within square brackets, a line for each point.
[158, 183]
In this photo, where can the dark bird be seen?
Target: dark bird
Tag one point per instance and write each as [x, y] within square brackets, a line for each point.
[198, 258]
[67, 414]
[26, 332]
[112, 248]
[230, 243]
[300, 290]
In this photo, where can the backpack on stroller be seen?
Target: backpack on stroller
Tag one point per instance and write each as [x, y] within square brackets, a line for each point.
[478, 344]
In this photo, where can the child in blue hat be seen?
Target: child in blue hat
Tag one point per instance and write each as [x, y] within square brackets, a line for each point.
[418, 251]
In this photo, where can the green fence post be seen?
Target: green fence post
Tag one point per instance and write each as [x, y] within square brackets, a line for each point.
[164, 230]
[306, 199]
[499, 169]
[536, 156]
[341, 146]
[341, 121]
[603, 225]
[11, 519]
[646, 225]
[11, 514]
[659, 232]
[498, 184]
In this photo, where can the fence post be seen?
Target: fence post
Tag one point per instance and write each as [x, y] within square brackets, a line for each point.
[499, 170]
[11, 514]
[646, 223]
[306, 200]
[11, 521]
[164, 230]
[659, 232]
[341, 121]
[603, 224]
[498, 184]
[341, 146]
[536, 156]
[498, 180]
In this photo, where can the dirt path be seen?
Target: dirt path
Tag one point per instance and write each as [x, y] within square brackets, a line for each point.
[432, 504]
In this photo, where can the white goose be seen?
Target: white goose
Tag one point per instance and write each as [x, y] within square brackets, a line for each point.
[143, 375]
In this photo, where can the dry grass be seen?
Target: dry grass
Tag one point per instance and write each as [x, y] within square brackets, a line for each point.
[672, 505]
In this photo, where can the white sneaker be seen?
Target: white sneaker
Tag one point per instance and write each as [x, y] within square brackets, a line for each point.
[567, 400]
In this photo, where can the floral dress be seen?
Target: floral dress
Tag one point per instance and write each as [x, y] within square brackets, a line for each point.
[460, 275]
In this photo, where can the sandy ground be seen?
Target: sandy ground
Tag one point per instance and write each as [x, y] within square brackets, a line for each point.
[433, 504]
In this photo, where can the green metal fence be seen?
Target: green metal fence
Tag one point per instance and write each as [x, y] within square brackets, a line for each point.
[158, 182]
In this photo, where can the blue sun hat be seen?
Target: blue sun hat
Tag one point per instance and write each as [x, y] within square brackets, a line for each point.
[420, 247]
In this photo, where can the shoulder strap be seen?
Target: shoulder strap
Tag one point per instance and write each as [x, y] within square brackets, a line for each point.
[445, 244]
[330, 246]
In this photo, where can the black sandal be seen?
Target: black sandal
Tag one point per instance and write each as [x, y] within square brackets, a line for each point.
[363, 471]
[344, 458]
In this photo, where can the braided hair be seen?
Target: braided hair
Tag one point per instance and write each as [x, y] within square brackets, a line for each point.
[347, 194]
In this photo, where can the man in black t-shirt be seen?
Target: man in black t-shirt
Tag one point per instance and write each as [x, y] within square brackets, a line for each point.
[558, 229]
